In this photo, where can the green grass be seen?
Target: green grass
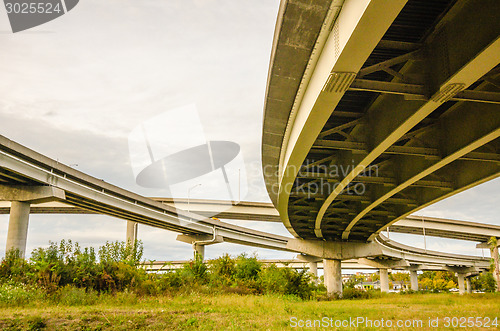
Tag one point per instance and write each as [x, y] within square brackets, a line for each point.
[236, 312]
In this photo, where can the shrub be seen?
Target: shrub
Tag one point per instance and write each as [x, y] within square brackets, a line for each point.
[76, 276]
[14, 268]
[273, 280]
[73, 296]
[119, 251]
[484, 282]
[354, 293]
[298, 283]
[222, 270]
[170, 281]
[12, 294]
[247, 268]
[36, 323]
[195, 270]
[286, 281]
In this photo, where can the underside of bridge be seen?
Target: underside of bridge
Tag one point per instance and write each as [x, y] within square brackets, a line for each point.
[367, 122]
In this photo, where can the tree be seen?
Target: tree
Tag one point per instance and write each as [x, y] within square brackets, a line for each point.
[353, 280]
[484, 282]
[437, 280]
[494, 254]
[400, 278]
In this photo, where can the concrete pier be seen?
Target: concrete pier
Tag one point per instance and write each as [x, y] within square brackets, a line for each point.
[21, 198]
[414, 280]
[199, 250]
[18, 226]
[461, 283]
[384, 280]
[468, 285]
[313, 268]
[333, 276]
[131, 232]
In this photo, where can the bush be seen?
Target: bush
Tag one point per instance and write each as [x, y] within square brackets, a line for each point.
[298, 283]
[484, 282]
[36, 323]
[247, 268]
[13, 268]
[73, 296]
[119, 251]
[195, 270]
[286, 281]
[12, 294]
[222, 270]
[273, 280]
[75, 276]
[169, 281]
[354, 293]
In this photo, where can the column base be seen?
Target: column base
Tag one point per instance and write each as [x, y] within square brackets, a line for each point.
[18, 227]
[333, 277]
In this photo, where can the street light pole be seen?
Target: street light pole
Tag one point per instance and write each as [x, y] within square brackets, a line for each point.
[423, 230]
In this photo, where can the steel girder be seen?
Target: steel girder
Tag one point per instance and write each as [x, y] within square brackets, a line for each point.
[458, 133]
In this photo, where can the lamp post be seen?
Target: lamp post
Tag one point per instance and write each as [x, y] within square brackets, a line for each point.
[423, 231]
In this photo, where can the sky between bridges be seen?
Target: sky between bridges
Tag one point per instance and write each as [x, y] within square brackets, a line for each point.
[74, 88]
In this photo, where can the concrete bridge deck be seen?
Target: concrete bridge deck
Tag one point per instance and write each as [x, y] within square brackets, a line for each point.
[397, 101]
[261, 211]
[376, 109]
[29, 178]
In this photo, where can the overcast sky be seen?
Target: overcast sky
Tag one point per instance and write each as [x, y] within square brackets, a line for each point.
[75, 88]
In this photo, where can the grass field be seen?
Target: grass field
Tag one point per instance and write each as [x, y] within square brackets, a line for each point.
[237, 312]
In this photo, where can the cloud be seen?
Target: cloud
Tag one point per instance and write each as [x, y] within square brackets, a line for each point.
[74, 94]
[477, 204]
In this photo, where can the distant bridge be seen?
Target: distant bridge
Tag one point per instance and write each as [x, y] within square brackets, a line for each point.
[261, 211]
[401, 95]
[29, 178]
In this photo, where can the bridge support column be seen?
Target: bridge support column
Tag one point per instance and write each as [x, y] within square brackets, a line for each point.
[18, 226]
[333, 276]
[199, 251]
[414, 280]
[313, 269]
[312, 263]
[21, 198]
[468, 285]
[461, 283]
[199, 242]
[131, 232]
[384, 280]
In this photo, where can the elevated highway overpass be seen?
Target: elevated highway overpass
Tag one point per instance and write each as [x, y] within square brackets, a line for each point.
[27, 177]
[298, 263]
[376, 109]
[30, 178]
[349, 146]
[383, 254]
[266, 212]
[280, 263]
